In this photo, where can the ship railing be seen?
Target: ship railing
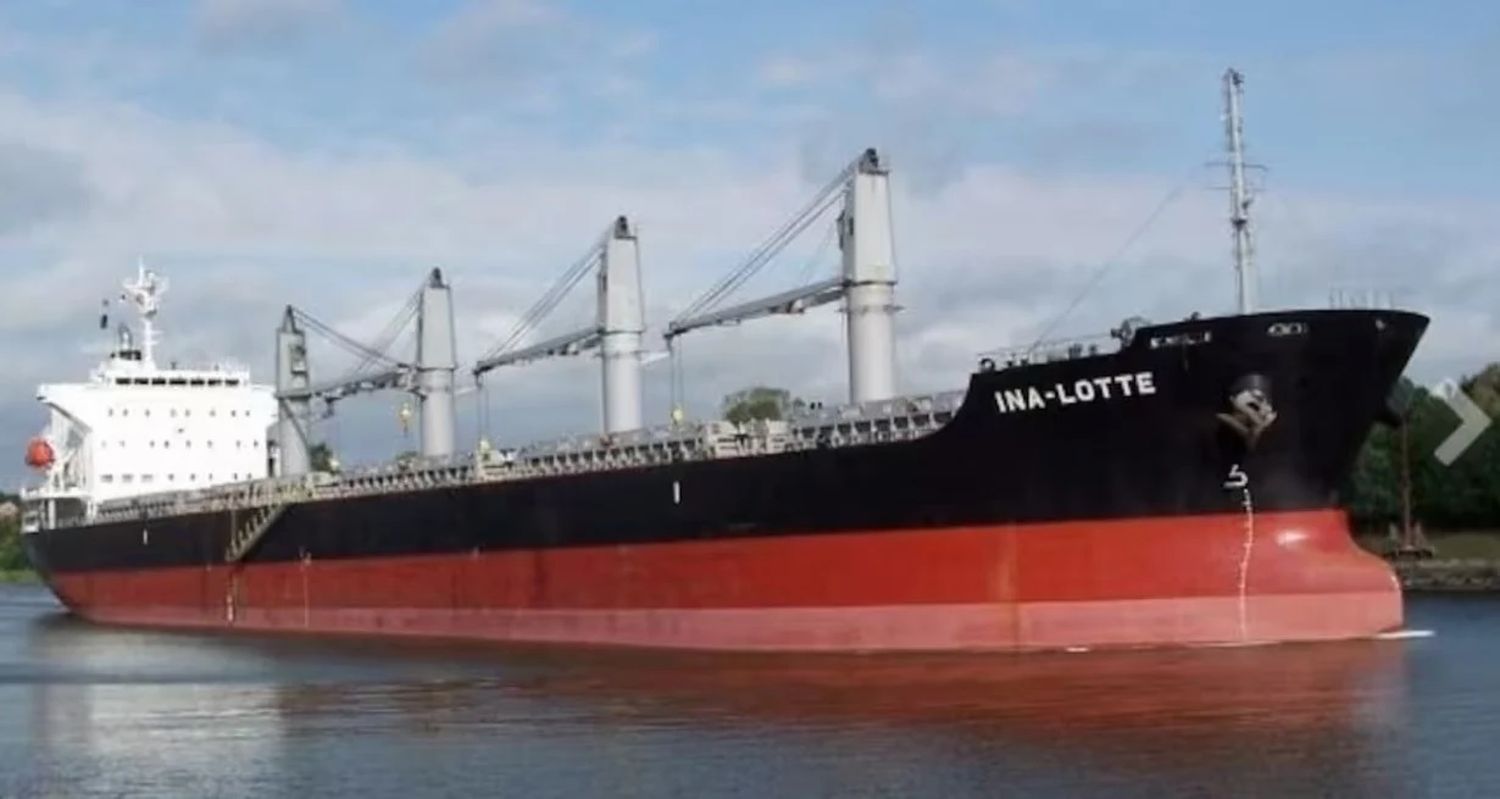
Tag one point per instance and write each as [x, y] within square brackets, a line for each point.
[900, 419]
[649, 446]
[410, 474]
[1050, 351]
[233, 496]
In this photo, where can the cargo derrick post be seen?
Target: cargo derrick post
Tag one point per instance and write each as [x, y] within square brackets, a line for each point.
[436, 362]
[867, 282]
[430, 377]
[293, 408]
[614, 258]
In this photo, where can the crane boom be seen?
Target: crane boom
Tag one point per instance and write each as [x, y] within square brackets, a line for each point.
[866, 284]
[787, 302]
[429, 377]
[398, 377]
[567, 344]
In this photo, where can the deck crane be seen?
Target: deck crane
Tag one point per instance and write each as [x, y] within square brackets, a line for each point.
[616, 331]
[866, 285]
[429, 375]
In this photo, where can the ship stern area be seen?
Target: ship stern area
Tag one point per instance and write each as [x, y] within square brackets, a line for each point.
[1213, 500]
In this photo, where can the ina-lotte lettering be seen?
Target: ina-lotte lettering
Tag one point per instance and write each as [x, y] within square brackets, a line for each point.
[1085, 390]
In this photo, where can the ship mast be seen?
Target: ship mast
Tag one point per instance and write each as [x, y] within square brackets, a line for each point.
[144, 292]
[1239, 194]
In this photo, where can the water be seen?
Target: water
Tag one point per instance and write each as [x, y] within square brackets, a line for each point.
[93, 711]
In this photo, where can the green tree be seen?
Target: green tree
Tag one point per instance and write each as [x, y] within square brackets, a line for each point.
[12, 558]
[1462, 495]
[760, 402]
[320, 457]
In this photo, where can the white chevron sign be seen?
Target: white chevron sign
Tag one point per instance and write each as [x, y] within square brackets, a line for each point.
[1473, 422]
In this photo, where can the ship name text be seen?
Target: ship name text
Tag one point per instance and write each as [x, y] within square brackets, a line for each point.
[1085, 390]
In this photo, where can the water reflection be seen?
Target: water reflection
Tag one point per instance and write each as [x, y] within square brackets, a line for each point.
[125, 711]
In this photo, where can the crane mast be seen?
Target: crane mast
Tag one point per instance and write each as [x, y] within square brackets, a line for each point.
[621, 322]
[436, 362]
[430, 377]
[866, 284]
[870, 281]
[294, 407]
[616, 332]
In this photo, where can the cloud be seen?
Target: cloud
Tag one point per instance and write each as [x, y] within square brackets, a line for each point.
[988, 259]
[247, 25]
[39, 186]
[532, 53]
[497, 39]
[991, 247]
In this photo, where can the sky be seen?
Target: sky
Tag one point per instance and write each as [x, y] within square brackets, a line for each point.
[1056, 167]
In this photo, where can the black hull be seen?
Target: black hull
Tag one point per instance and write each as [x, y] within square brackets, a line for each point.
[1128, 447]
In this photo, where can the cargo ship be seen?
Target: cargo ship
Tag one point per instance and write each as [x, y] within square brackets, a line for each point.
[1170, 484]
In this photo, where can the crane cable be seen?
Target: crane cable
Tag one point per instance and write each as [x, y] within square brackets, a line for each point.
[335, 337]
[1113, 260]
[552, 297]
[771, 246]
[393, 330]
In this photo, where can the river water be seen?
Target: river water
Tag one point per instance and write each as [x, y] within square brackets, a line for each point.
[94, 711]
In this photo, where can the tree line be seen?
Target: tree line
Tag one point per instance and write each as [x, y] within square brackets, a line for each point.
[11, 556]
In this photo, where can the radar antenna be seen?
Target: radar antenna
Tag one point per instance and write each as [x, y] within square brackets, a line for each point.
[144, 292]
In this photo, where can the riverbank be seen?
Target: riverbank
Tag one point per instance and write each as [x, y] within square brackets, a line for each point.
[1449, 574]
[1461, 562]
[18, 576]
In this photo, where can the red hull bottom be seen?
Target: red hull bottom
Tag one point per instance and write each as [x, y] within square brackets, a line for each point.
[1139, 582]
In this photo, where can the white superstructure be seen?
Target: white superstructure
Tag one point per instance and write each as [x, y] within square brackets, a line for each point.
[136, 428]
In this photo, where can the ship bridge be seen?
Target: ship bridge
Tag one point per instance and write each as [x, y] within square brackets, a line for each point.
[137, 428]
